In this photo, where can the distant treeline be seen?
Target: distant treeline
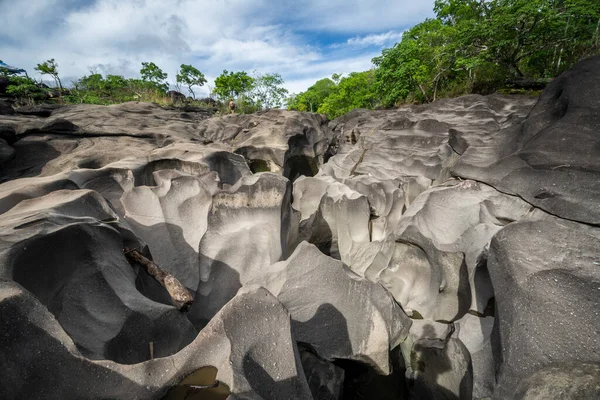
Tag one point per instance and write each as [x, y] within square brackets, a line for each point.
[472, 46]
[251, 93]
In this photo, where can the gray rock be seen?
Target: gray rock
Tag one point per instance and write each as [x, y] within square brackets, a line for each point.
[8, 134]
[546, 283]
[249, 343]
[416, 141]
[6, 152]
[475, 332]
[285, 142]
[326, 381]
[67, 250]
[552, 159]
[440, 370]
[340, 315]
[561, 381]
[249, 227]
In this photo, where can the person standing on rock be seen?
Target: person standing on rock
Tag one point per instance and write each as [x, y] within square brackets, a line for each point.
[232, 106]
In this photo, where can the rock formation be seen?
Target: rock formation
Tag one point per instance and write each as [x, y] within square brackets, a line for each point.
[441, 251]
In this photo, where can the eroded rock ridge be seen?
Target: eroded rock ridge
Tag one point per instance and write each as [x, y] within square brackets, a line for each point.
[443, 251]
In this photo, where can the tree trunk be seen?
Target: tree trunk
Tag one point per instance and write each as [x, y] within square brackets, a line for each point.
[424, 93]
[561, 48]
[180, 296]
[596, 34]
[60, 88]
[518, 70]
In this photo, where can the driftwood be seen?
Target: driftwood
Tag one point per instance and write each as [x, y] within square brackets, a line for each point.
[180, 296]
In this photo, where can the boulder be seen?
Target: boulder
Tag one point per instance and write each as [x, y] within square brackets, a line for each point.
[340, 315]
[546, 279]
[561, 381]
[7, 153]
[249, 343]
[440, 370]
[249, 227]
[4, 82]
[176, 97]
[66, 248]
[6, 107]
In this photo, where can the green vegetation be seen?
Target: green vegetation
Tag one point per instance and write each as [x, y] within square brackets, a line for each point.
[190, 76]
[250, 93]
[472, 46]
[357, 90]
[25, 88]
[233, 84]
[312, 99]
[50, 67]
[154, 76]
[268, 90]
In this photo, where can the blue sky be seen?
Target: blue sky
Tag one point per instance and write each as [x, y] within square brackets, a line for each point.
[303, 40]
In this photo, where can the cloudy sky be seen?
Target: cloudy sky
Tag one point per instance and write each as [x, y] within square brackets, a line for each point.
[303, 40]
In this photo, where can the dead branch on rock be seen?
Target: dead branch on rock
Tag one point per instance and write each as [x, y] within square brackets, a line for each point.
[180, 296]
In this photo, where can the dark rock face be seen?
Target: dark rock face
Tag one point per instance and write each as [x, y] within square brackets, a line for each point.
[546, 280]
[6, 107]
[551, 160]
[442, 251]
[4, 81]
[561, 380]
[176, 97]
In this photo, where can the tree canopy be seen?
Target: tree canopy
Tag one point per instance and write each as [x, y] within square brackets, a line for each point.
[230, 85]
[152, 74]
[268, 90]
[314, 96]
[50, 67]
[190, 76]
[476, 46]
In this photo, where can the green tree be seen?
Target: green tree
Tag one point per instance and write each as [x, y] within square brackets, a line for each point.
[24, 89]
[417, 65]
[155, 76]
[314, 96]
[50, 67]
[190, 76]
[268, 90]
[231, 85]
[357, 90]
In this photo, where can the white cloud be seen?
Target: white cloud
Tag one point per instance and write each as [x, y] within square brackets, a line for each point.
[375, 39]
[359, 16]
[115, 36]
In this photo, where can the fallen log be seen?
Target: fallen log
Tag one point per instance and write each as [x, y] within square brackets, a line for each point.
[180, 296]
